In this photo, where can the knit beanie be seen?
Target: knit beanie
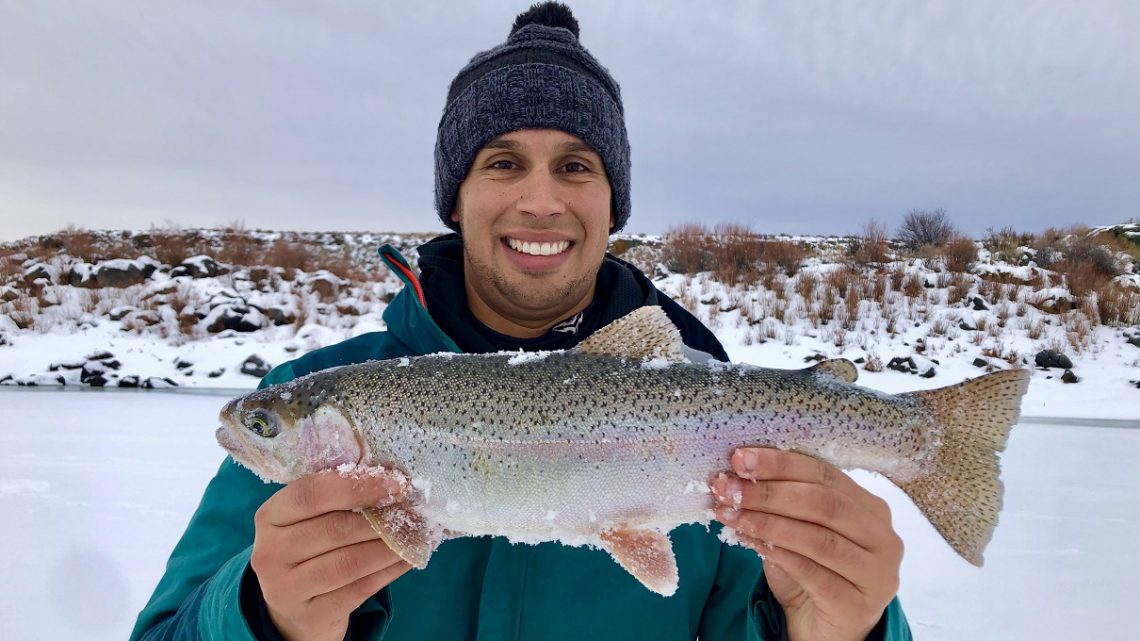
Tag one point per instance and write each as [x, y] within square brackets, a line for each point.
[541, 77]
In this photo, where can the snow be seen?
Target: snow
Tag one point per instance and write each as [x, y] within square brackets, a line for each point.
[97, 486]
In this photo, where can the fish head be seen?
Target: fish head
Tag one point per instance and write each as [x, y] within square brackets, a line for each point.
[287, 431]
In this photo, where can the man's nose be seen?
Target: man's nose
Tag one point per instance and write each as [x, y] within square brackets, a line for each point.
[540, 195]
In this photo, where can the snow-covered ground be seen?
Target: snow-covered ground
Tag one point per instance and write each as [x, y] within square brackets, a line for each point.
[96, 487]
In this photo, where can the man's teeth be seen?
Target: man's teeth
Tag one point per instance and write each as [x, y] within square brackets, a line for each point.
[538, 249]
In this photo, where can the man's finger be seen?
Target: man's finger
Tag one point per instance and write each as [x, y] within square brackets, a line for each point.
[349, 597]
[325, 492]
[343, 566]
[320, 534]
[802, 501]
[826, 547]
[767, 464]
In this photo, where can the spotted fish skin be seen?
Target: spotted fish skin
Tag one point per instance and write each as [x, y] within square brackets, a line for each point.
[620, 435]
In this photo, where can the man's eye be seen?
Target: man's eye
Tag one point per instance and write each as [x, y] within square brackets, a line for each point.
[575, 167]
[502, 164]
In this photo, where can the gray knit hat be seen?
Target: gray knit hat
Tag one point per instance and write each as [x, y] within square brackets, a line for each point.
[541, 77]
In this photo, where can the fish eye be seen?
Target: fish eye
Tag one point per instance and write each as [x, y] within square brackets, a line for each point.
[259, 423]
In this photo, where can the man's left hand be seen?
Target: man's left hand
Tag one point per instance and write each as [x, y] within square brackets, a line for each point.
[831, 557]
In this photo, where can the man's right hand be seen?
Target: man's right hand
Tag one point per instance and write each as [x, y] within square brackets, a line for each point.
[316, 559]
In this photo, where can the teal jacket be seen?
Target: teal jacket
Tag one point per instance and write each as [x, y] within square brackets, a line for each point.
[473, 588]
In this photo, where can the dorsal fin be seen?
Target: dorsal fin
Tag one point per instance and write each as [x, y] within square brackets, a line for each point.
[840, 368]
[644, 334]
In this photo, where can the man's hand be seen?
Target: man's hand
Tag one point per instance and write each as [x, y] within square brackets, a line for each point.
[831, 557]
[315, 559]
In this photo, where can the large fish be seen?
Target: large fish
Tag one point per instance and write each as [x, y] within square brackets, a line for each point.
[613, 443]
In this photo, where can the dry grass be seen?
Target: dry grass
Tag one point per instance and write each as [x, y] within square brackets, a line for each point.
[685, 250]
[239, 247]
[961, 254]
[871, 247]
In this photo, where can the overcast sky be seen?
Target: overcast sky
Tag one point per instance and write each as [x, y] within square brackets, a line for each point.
[794, 116]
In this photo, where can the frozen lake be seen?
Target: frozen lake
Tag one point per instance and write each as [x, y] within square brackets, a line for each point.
[96, 487]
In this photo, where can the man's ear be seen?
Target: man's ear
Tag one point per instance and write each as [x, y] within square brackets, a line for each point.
[455, 217]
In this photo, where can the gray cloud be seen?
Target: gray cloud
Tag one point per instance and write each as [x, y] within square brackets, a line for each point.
[794, 117]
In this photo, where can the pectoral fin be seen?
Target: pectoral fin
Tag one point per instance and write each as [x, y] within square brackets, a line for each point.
[645, 554]
[406, 531]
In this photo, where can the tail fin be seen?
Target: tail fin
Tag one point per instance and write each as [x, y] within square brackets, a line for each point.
[961, 493]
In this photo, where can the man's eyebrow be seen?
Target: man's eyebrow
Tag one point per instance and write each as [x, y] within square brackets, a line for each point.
[576, 146]
[566, 147]
[502, 143]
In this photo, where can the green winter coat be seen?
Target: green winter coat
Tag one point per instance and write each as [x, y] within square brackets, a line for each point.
[473, 588]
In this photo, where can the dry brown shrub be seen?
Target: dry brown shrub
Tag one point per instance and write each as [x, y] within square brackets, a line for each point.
[782, 254]
[925, 227]
[80, 243]
[1004, 243]
[958, 289]
[1036, 329]
[735, 252]
[1083, 278]
[912, 286]
[239, 246]
[1117, 306]
[172, 246]
[23, 311]
[939, 327]
[290, 256]
[805, 286]
[871, 247]
[685, 250]
[844, 279]
[961, 254]
[851, 308]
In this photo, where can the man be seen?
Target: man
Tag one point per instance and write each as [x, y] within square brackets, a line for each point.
[532, 171]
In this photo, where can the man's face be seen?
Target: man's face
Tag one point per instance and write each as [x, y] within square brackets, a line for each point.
[535, 214]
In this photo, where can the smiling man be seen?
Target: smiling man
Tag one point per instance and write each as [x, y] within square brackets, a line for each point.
[532, 173]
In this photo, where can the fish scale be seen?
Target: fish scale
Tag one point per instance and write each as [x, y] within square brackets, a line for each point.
[613, 443]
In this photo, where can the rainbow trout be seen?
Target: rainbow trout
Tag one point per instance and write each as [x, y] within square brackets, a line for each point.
[613, 443]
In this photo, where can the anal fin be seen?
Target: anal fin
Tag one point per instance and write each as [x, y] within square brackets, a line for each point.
[645, 554]
[406, 531]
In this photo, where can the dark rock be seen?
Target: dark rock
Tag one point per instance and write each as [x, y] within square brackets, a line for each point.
[120, 312]
[860, 360]
[91, 371]
[903, 364]
[157, 382]
[97, 380]
[966, 327]
[4, 339]
[39, 271]
[181, 271]
[6, 379]
[1048, 358]
[928, 373]
[111, 364]
[1135, 340]
[81, 275]
[1070, 377]
[181, 363]
[100, 356]
[216, 373]
[8, 294]
[979, 304]
[200, 267]
[129, 381]
[55, 367]
[119, 273]
[236, 319]
[980, 362]
[280, 316]
[255, 366]
[814, 358]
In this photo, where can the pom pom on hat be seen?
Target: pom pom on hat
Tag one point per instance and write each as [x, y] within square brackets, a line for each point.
[547, 14]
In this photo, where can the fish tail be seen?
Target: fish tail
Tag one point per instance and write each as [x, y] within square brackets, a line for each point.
[960, 493]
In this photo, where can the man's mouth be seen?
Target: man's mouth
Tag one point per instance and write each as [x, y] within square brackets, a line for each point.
[538, 248]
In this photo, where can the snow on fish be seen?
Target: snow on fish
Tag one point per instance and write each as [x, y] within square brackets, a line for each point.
[612, 444]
